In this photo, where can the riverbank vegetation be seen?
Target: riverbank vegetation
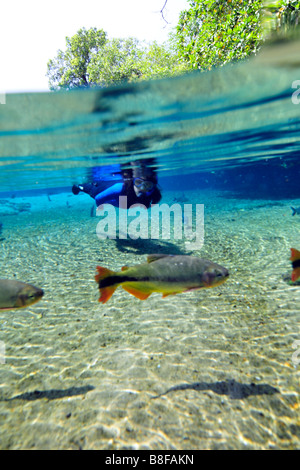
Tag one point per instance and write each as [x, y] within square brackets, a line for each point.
[210, 33]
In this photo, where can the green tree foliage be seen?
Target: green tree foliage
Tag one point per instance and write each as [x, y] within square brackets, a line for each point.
[129, 60]
[70, 68]
[91, 59]
[281, 16]
[215, 32]
[209, 33]
[160, 61]
[117, 61]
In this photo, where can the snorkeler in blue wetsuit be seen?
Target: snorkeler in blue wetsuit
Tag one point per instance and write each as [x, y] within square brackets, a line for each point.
[139, 186]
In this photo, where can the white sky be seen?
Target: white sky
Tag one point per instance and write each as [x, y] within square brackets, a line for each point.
[32, 31]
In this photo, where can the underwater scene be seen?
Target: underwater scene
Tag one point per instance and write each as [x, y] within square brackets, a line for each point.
[123, 327]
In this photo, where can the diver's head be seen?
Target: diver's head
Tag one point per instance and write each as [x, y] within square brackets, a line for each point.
[143, 186]
[144, 179]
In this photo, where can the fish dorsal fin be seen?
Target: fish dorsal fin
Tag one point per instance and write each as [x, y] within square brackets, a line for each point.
[155, 257]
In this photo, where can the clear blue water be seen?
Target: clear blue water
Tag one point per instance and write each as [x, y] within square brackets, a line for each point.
[227, 129]
[221, 363]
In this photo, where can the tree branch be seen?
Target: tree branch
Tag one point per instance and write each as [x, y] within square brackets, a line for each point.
[162, 12]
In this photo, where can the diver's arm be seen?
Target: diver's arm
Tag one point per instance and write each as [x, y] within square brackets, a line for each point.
[109, 195]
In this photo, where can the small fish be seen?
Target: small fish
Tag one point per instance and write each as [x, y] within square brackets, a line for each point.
[296, 210]
[17, 294]
[168, 274]
[295, 259]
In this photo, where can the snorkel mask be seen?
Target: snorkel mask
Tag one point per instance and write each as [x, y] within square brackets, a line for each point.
[143, 186]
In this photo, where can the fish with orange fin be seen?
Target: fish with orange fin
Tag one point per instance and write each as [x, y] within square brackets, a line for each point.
[167, 274]
[295, 259]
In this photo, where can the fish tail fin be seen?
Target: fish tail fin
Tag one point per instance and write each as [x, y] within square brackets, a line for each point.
[295, 274]
[294, 210]
[103, 273]
[295, 254]
[295, 259]
[105, 291]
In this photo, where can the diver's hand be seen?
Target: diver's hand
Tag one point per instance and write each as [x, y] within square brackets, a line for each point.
[75, 189]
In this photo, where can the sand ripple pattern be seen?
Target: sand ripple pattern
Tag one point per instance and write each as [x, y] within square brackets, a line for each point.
[82, 375]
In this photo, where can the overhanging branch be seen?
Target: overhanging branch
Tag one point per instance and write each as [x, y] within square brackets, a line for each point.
[162, 12]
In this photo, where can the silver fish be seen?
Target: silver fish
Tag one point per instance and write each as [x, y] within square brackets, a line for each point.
[17, 294]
